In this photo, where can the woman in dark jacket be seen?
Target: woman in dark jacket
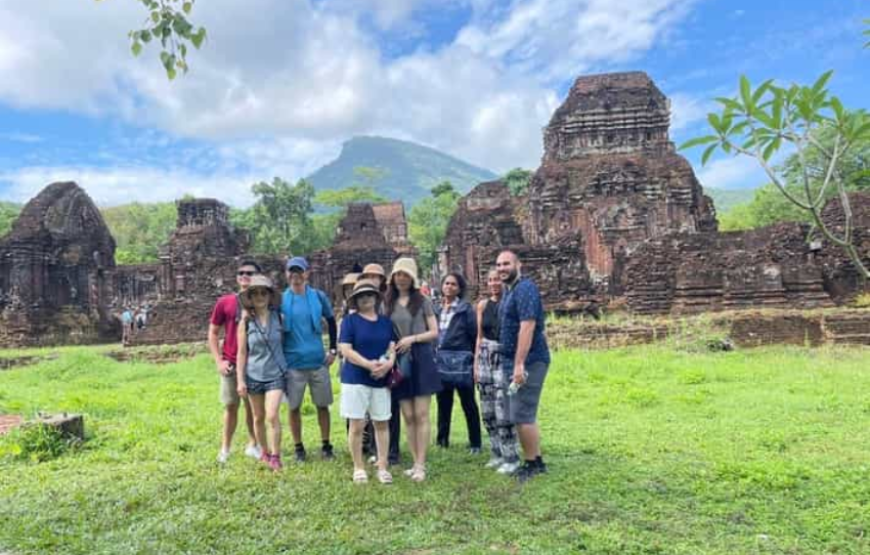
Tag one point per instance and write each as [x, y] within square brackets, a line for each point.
[457, 342]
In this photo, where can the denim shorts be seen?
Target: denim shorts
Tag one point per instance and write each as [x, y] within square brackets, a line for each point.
[523, 405]
[260, 388]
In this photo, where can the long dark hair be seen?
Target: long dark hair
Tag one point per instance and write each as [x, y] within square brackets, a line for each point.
[415, 298]
[460, 280]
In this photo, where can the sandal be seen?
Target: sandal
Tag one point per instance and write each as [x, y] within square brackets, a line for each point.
[410, 472]
[419, 474]
[360, 476]
[385, 477]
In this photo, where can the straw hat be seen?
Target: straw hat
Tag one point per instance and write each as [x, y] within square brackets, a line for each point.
[363, 286]
[260, 282]
[406, 266]
[349, 279]
[375, 270]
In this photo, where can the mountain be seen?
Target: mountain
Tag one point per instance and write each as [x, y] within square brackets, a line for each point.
[410, 170]
[726, 199]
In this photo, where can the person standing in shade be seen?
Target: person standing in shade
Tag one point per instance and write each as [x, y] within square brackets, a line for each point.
[226, 316]
[305, 310]
[367, 347]
[491, 382]
[525, 358]
[262, 369]
[457, 337]
[414, 318]
[375, 273]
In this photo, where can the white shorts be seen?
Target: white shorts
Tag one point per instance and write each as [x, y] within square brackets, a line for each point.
[357, 400]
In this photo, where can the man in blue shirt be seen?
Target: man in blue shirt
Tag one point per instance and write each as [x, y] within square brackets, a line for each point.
[305, 310]
[525, 358]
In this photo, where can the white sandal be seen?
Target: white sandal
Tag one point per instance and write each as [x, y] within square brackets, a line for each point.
[419, 474]
[360, 476]
[385, 477]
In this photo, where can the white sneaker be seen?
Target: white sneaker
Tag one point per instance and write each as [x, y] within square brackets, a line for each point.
[253, 451]
[373, 460]
[508, 468]
[494, 462]
[223, 455]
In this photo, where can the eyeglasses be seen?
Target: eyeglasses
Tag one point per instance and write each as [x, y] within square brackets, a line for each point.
[244, 273]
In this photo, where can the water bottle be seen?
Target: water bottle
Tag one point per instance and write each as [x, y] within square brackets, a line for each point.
[514, 386]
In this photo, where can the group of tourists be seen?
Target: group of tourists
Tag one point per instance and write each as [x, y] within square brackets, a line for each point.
[397, 349]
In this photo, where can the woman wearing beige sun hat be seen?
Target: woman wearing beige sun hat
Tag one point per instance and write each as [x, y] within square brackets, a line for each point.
[261, 368]
[414, 317]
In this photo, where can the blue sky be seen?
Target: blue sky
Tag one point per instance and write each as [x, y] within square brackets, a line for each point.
[282, 83]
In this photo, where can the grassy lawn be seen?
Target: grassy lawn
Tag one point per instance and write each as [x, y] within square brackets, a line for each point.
[651, 450]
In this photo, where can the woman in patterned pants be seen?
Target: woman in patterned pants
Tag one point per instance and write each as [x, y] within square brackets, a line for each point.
[491, 383]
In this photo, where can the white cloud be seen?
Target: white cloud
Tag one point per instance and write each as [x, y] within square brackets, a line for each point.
[738, 172]
[112, 186]
[21, 138]
[686, 110]
[281, 83]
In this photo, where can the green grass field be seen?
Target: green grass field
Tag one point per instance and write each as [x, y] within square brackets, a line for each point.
[651, 450]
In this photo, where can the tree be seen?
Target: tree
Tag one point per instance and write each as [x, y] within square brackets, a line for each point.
[867, 33]
[759, 122]
[140, 229]
[445, 188]
[769, 206]
[8, 214]
[341, 198]
[428, 222]
[167, 22]
[518, 180]
[280, 219]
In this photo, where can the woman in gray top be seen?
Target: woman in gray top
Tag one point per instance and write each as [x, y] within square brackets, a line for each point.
[414, 318]
[261, 367]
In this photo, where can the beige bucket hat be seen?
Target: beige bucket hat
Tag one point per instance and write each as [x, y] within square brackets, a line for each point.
[407, 266]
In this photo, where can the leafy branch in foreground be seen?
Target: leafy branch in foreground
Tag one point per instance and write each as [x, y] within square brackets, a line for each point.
[168, 23]
[760, 122]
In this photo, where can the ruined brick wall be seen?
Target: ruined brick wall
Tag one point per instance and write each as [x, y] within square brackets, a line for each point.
[768, 267]
[484, 221]
[360, 240]
[610, 172]
[842, 279]
[56, 267]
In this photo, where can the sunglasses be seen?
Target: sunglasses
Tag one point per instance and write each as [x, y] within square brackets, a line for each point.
[259, 293]
[245, 273]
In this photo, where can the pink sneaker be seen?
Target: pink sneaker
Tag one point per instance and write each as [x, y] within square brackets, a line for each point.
[265, 458]
[275, 463]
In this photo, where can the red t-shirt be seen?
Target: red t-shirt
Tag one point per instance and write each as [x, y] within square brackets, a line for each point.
[224, 314]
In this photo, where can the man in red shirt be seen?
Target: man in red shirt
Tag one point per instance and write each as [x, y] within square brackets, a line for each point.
[225, 316]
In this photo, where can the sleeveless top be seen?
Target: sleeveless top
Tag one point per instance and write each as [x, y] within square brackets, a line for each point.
[490, 320]
[266, 360]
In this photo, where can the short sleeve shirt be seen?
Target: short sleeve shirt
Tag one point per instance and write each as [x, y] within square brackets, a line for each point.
[224, 315]
[412, 325]
[303, 341]
[369, 339]
[522, 302]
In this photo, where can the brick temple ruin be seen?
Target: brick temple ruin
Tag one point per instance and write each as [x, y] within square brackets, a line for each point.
[56, 267]
[613, 216]
[59, 283]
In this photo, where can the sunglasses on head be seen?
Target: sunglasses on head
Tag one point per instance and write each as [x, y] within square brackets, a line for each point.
[247, 273]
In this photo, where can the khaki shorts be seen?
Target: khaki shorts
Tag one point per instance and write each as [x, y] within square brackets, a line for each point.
[317, 380]
[229, 394]
[357, 400]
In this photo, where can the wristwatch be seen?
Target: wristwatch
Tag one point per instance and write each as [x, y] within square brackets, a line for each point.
[333, 352]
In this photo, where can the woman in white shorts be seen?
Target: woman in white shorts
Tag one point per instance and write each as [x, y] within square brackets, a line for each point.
[367, 344]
